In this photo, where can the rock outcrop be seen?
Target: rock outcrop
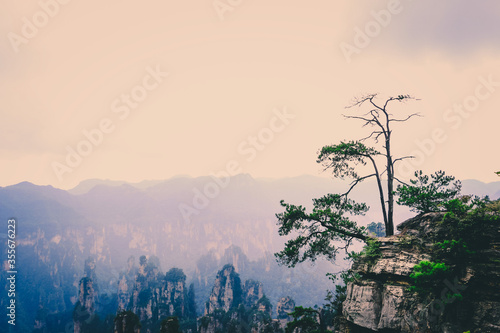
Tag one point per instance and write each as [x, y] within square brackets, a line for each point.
[227, 291]
[127, 322]
[85, 308]
[285, 306]
[154, 296]
[236, 306]
[382, 301]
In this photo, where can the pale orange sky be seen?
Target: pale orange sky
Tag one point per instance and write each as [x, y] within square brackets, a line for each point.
[227, 78]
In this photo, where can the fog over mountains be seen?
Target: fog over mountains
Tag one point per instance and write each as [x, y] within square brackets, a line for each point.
[113, 220]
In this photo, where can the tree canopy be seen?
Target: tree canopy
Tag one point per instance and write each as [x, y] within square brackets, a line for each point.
[319, 230]
[427, 194]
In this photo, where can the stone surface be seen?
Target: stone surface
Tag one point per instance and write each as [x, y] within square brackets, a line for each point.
[84, 311]
[285, 306]
[362, 306]
[380, 300]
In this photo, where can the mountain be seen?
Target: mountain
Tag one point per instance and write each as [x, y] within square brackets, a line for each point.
[179, 221]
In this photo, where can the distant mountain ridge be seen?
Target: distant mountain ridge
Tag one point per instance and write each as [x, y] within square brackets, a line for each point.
[111, 221]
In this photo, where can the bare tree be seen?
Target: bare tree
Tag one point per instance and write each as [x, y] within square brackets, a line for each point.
[344, 157]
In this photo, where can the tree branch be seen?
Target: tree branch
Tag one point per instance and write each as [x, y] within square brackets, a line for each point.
[407, 118]
[402, 158]
[356, 182]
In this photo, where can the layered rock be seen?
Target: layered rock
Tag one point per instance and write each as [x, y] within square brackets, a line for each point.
[126, 284]
[285, 306]
[154, 296]
[85, 308]
[236, 306]
[381, 300]
[227, 291]
[252, 292]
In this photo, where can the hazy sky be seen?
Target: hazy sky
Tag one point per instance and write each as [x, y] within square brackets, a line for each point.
[260, 83]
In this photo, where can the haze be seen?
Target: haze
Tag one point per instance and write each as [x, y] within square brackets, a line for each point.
[232, 75]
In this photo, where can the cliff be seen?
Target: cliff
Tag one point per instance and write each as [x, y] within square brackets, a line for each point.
[153, 296]
[379, 298]
[236, 306]
[285, 306]
[85, 308]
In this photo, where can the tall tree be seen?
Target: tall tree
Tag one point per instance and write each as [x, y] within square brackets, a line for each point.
[330, 223]
[344, 157]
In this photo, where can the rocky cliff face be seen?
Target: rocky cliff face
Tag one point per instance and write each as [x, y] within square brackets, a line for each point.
[285, 306]
[85, 307]
[381, 301]
[152, 295]
[252, 292]
[227, 291]
[236, 306]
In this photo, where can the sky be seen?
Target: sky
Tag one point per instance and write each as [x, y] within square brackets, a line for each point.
[128, 90]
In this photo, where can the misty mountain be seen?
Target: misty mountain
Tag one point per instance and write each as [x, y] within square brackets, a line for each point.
[110, 221]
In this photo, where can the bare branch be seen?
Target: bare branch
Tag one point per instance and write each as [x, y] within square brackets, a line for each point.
[402, 158]
[376, 133]
[356, 182]
[385, 130]
[375, 105]
[412, 115]
[401, 181]
[400, 98]
[360, 101]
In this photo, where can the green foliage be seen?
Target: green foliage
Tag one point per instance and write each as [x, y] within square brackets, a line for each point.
[175, 275]
[318, 230]
[305, 320]
[426, 275]
[336, 298]
[344, 157]
[205, 321]
[453, 249]
[127, 322]
[242, 319]
[428, 194]
[408, 241]
[377, 229]
[170, 325]
[371, 251]
[144, 297]
[264, 301]
[470, 221]
[191, 303]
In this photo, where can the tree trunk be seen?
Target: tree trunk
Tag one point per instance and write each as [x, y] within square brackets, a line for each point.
[389, 227]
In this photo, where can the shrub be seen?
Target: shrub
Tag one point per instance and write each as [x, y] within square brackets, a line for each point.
[428, 194]
[470, 220]
[453, 250]
[426, 276]
[371, 251]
